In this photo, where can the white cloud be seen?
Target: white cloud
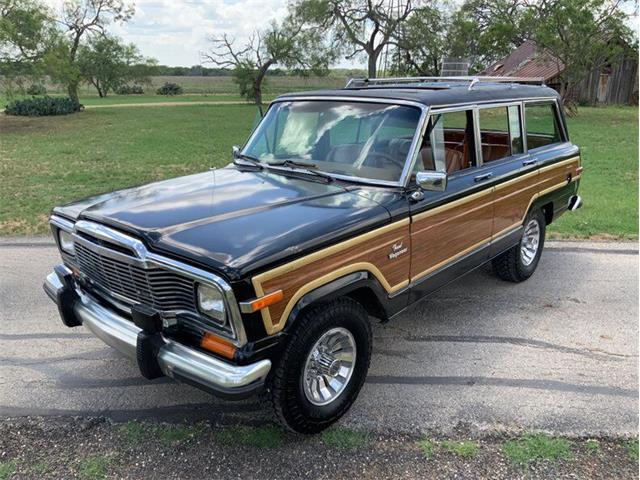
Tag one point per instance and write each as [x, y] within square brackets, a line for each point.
[174, 32]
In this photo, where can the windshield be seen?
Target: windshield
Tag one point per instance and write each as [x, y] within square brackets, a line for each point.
[364, 140]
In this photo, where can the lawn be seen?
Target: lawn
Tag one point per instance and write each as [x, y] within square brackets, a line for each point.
[48, 161]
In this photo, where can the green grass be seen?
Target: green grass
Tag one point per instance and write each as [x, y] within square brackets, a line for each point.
[532, 447]
[462, 448]
[428, 447]
[608, 139]
[344, 438]
[7, 469]
[94, 468]
[259, 437]
[592, 446]
[48, 161]
[132, 433]
[631, 446]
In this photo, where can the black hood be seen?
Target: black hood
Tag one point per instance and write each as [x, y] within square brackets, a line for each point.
[235, 221]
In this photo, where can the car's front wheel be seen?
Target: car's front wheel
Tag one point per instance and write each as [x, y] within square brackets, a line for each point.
[323, 366]
[519, 262]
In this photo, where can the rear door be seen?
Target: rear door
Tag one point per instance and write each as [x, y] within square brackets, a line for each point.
[451, 226]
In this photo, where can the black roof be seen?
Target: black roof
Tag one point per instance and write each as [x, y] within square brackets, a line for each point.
[437, 93]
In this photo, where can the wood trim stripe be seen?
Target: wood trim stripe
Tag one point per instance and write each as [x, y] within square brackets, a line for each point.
[258, 280]
[272, 327]
[559, 164]
[320, 254]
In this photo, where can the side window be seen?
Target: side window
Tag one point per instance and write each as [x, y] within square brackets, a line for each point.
[448, 145]
[542, 125]
[500, 132]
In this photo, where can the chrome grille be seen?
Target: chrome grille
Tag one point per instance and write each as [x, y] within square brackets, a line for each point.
[160, 288]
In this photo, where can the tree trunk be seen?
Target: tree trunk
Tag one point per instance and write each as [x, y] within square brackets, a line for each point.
[72, 91]
[257, 90]
[257, 82]
[372, 64]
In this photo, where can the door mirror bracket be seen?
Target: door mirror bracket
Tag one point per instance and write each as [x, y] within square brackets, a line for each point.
[432, 181]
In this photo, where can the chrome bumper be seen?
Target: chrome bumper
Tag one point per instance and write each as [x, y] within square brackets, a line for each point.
[175, 360]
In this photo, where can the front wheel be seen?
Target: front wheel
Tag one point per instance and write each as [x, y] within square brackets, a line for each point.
[323, 366]
[519, 262]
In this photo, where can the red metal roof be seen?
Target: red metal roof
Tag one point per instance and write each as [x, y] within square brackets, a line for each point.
[526, 61]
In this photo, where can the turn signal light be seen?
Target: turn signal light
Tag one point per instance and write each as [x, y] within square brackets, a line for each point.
[218, 345]
[262, 302]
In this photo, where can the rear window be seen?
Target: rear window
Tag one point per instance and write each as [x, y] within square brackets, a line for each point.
[542, 125]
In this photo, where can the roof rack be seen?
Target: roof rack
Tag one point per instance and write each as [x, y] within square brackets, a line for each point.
[416, 81]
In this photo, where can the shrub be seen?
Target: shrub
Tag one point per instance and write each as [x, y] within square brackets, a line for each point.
[130, 90]
[42, 106]
[169, 89]
[36, 89]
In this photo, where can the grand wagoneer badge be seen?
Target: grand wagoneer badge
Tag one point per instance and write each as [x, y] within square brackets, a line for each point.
[397, 249]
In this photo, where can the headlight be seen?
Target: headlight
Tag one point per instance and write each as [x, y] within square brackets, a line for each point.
[211, 302]
[66, 242]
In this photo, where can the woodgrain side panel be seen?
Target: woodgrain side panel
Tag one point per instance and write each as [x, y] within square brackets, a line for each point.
[368, 252]
[440, 234]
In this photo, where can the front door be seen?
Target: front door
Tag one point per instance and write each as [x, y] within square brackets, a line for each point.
[451, 228]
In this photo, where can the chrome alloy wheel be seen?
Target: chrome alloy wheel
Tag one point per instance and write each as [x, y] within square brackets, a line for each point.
[530, 242]
[329, 366]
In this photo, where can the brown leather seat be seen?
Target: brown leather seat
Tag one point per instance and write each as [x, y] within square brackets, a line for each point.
[453, 158]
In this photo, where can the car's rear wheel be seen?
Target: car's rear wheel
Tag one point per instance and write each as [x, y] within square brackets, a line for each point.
[519, 262]
[323, 366]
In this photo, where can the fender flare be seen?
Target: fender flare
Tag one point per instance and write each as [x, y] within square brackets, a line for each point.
[340, 287]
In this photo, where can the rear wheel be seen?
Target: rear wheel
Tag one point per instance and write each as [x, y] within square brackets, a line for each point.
[323, 366]
[519, 262]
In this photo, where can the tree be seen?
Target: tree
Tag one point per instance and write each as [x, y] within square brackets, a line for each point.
[485, 30]
[356, 26]
[81, 19]
[581, 34]
[107, 63]
[420, 43]
[25, 31]
[290, 45]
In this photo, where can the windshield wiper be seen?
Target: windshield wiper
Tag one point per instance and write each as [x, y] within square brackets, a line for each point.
[305, 166]
[253, 161]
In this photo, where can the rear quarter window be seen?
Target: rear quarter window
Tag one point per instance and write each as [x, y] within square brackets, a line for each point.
[542, 125]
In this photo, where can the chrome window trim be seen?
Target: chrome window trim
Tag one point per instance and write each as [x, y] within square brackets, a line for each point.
[145, 259]
[413, 151]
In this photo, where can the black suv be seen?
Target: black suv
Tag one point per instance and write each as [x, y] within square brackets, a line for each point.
[343, 205]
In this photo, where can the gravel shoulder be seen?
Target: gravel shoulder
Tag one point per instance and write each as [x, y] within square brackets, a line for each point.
[94, 448]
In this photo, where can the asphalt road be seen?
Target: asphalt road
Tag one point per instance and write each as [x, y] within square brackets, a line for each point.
[558, 353]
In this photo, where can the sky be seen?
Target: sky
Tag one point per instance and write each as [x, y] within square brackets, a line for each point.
[175, 31]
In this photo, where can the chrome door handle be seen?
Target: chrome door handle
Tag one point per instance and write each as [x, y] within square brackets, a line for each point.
[485, 176]
[531, 161]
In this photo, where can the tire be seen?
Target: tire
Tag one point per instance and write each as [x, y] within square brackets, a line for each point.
[293, 403]
[518, 263]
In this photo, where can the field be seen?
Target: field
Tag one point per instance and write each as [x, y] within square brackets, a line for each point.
[48, 161]
[198, 89]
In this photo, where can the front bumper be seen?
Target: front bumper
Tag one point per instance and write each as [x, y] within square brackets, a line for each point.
[175, 360]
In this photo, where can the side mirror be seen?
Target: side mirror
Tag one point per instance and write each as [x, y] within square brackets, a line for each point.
[433, 181]
[235, 151]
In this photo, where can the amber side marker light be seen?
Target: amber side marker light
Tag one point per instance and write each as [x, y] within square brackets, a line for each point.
[218, 345]
[262, 302]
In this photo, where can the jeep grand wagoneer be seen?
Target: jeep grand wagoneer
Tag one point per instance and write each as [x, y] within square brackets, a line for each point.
[342, 206]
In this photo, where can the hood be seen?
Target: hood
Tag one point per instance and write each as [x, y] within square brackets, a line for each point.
[234, 221]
